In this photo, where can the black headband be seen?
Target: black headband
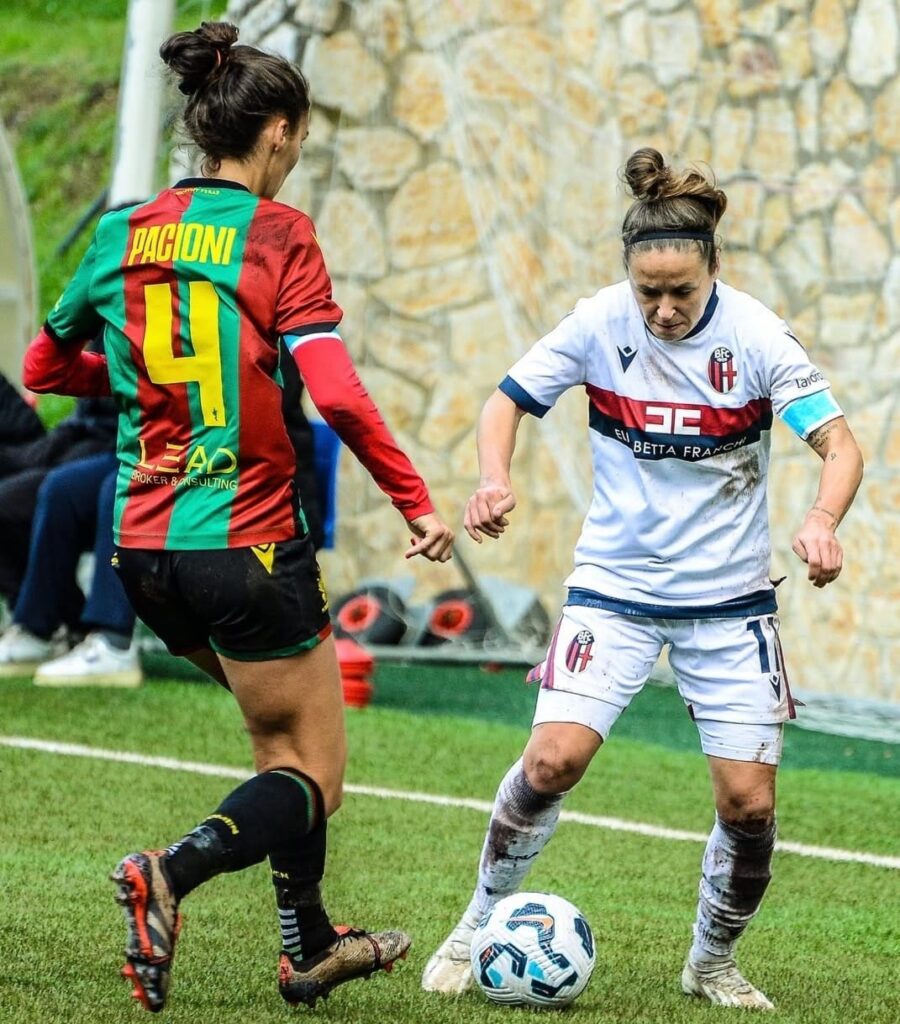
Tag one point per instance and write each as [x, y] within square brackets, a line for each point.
[665, 233]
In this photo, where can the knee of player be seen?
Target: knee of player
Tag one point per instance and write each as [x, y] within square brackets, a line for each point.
[554, 770]
[752, 814]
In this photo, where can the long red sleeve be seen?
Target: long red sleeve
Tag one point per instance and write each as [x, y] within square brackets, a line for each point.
[345, 405]
[63, 368]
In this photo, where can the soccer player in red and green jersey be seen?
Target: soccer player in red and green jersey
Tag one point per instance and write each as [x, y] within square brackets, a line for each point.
[194, 291]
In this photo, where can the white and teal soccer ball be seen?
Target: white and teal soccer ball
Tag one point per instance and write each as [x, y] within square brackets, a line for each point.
[533, 949]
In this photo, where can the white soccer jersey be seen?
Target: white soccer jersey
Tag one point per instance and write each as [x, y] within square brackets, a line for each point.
[680, 437]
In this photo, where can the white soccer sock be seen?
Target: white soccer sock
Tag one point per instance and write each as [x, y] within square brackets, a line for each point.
[522, 822]
[736, 871]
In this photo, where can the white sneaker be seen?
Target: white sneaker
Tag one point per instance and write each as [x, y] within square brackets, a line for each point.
[449, 970]
[21, 652]
[93, 662]
[723, 985]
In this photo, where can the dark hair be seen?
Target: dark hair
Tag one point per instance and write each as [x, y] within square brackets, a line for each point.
[666, 200]
[232, 90]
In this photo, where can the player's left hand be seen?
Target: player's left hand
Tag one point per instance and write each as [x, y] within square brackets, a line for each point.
[816, 544]
[435, 538]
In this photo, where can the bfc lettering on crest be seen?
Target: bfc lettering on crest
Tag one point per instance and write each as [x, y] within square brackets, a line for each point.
[721, 370]
[578, 653]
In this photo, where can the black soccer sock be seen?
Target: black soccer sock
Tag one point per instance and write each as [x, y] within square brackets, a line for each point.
[297, 870]
[273, 809]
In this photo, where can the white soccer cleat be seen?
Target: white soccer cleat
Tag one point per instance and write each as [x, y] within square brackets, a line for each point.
[449, 971]
[93, 662]
[723, 985]
[21, 652]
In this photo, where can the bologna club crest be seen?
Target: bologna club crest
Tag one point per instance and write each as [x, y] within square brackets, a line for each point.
[720, 370]
[578, 653]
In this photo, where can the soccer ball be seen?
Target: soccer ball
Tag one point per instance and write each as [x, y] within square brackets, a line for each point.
[533, 949]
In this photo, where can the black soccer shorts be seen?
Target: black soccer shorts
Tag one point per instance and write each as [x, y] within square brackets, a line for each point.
[249, 604]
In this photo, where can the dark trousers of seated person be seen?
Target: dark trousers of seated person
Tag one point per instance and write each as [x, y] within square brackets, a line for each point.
[18, 500]
[74, 514]
[23, 468]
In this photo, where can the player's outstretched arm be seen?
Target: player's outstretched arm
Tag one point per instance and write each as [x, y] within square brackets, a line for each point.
[345, 405]
[487, 509]
[842, 470]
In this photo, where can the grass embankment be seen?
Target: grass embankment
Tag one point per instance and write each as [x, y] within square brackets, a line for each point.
[59, 83]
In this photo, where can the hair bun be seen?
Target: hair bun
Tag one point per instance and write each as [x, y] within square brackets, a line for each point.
[220, 34]
[667, 199]
[646, 174]
[195, 56]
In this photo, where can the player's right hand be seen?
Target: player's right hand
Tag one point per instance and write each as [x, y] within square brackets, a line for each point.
[435, 538]
[486, 511]
[816, 544]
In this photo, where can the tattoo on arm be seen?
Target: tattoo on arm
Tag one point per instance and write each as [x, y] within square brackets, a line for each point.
[819, 508]
[818, 438]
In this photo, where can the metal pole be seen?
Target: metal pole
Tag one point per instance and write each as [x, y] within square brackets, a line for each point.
[18, 272]
[140, 101]
[97, 206]
[484, 601]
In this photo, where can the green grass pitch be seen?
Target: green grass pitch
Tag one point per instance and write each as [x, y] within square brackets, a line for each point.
[826, 946]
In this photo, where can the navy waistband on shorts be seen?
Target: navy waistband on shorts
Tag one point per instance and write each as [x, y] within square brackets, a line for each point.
[760, 602]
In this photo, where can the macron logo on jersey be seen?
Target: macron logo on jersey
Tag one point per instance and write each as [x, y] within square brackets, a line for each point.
[672, 430]
[626, 356]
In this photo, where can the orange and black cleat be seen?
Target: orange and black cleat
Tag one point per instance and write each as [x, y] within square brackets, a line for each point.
[354, 954]
[153, 922]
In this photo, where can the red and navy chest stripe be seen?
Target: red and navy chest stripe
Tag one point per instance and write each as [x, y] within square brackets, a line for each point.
[676, 430]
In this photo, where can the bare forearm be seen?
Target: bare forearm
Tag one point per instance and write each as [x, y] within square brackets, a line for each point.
[497, 428]
[487, 509]
[842, 470]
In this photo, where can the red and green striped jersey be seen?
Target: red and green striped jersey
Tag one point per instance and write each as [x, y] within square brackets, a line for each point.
[194, 288]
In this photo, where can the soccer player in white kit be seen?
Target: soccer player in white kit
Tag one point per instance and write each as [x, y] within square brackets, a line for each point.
[682, 375]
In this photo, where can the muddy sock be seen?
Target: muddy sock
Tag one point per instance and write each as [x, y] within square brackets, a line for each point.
[522, 822]
[736, 871]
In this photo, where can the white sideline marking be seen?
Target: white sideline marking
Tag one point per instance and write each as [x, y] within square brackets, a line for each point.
[593, 820]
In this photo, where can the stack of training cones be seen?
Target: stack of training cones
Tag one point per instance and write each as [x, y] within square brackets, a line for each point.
[357, 665]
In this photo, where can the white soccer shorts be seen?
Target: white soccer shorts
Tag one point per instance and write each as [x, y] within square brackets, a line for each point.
[730, 674]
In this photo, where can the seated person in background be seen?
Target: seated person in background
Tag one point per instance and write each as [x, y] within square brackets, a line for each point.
[19, 423]
[74, 515]
[27, 455]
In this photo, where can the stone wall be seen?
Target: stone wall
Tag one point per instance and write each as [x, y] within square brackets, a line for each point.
[462, 172]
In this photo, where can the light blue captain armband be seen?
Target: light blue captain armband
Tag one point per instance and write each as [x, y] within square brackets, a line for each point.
[311, 333]
[521, 397]
[808, 412]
